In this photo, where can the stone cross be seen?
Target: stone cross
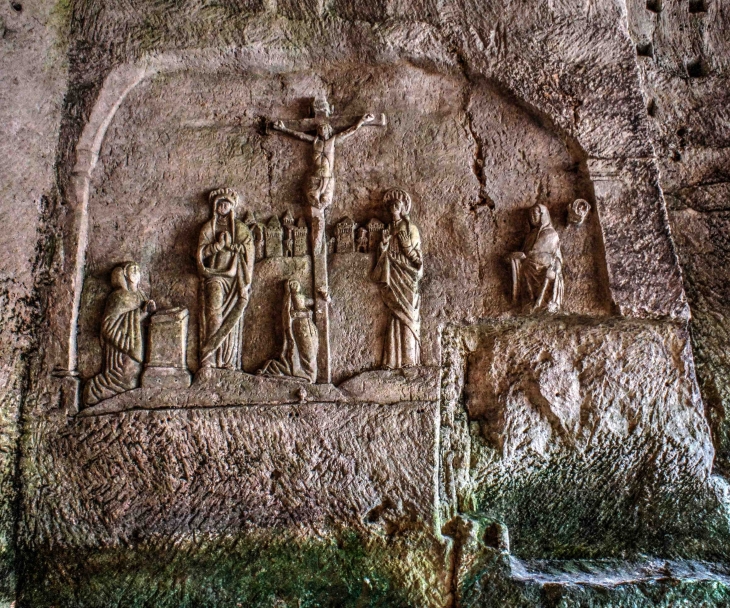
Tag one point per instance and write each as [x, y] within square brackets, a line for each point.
[319, 191]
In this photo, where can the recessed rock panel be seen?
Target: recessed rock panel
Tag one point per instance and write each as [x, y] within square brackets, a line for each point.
[472, 160]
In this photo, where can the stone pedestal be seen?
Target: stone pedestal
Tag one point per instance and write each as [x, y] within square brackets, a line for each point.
[166, 366]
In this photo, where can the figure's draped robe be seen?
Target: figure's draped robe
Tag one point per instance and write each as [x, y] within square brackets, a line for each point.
[543, 261]
[225, 276]
[398, 271]
[301, 341]
[121, 336]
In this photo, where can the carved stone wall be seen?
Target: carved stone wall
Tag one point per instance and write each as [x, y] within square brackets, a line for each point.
[684, 67]
[553, 412]
[156, 167]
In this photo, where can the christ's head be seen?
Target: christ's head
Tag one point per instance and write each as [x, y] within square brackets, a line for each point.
[324, 130]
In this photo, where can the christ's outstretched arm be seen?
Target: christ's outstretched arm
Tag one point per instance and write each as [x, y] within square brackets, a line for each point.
[348, 132]
[279, 126]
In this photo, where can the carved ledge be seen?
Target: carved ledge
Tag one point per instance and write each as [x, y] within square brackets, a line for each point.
[393, 386]
[230, 388]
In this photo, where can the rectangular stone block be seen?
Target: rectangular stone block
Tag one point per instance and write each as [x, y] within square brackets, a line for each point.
[300, 466]
[166, 364]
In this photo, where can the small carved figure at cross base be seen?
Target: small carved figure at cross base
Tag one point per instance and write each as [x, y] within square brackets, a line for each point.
[298, 356]
[539, 266]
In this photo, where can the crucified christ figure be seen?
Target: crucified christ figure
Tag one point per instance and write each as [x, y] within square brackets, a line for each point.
[320, 186]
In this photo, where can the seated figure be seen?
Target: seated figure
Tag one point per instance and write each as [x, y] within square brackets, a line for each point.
[539, 266]
[298, 356]
[121, 336]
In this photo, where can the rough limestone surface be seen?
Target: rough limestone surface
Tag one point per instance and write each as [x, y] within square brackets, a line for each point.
[531, 459]
[33, 65]
[684, 62]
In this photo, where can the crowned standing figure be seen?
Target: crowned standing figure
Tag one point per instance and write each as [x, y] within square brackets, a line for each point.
[121, 336]
[398, 272]
[225, 258]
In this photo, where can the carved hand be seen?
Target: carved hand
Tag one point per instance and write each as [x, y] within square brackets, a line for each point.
[324, 293]
[385, 242]
[366, 118]
[517, 255]
[404, 238]
[150, 306]
[279, 125]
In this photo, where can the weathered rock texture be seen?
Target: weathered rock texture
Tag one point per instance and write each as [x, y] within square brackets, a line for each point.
[532, 460]
[683, 56]
[33, 66]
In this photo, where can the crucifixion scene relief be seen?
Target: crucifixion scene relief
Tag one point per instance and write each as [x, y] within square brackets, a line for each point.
[337, 203]
[338, 304]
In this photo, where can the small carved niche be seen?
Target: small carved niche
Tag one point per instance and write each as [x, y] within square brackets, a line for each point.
[698, 6]
[655, 6]
[645, 49]
[651, 107]
[698, 67]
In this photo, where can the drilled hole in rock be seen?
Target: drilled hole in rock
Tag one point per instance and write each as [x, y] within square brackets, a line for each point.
[16, 6]
[697, 68]
[676, 156]
[697, 6]
[651, 108]
[645, 49]
[655, 6]
[682, 131]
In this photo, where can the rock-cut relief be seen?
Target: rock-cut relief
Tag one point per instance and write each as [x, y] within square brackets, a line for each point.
[225, 259]
[320, 187]
[537, 270]
[299, 353]
[398, 272]
[319, 192]
[578, 211]
[387, 257]
[121, 336]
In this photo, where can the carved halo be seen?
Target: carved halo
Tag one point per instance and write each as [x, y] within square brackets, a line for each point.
[400, 195]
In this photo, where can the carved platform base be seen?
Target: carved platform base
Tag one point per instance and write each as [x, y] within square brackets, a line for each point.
[229, 388]
[166, 377]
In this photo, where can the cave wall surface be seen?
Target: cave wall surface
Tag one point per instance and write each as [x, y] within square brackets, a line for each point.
[685, 84]
[545, 450]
